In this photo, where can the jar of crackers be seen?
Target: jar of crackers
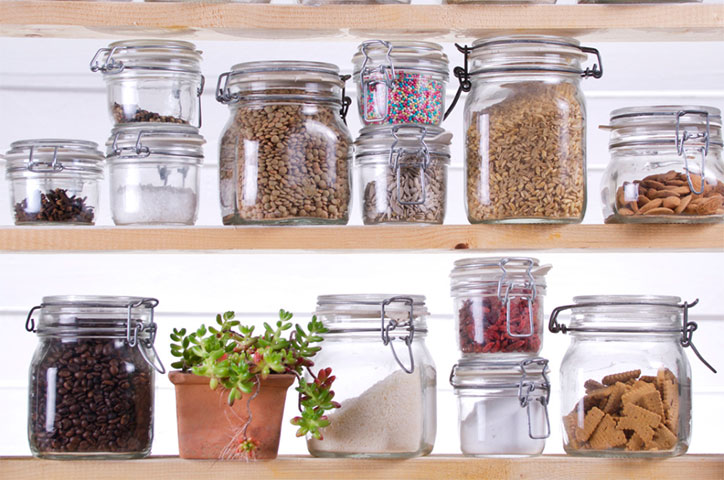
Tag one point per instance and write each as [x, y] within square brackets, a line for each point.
[625, 379]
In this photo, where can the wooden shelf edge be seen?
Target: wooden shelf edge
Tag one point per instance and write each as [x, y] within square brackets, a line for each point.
[366, 238]
[663, 22]
[553, 467]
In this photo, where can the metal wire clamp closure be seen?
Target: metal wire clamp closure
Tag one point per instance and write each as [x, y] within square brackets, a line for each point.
[388, 77]
[392, 324]
[37, 166]
[529, 284]
[681, 140]
[687, 330]
[395, 155]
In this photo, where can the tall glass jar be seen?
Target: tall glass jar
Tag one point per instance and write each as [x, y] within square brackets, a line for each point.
[502, 406]
[54, 181]
[91, 378]
[499, 306]
[666, 166]
[525, 124]
[386, 378]
[404, 173]
[285, 153]
[152, 81]
[154, 173]
[400, 82]
[625, 380]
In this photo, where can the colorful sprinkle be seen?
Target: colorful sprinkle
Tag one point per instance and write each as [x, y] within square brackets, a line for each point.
[414, 98]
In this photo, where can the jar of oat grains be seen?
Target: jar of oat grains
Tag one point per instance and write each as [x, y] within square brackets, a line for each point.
[525, 124]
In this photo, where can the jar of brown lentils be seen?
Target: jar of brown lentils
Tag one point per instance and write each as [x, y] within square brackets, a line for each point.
[286, 151]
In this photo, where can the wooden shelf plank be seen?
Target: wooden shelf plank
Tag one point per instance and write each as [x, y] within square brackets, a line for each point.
[367, 238]
[663, 22]
[702, 467]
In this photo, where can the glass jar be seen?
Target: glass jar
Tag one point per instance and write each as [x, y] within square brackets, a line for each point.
[525, 123]
[54, 181]
[154, 173]
[152, 81]
[499, 306]
[353, 2]
[502, 406]
[285, 153]
[386, 378]
[404, 173]
[666, 166]
[91, 377]
[400, 82]
[625, 380]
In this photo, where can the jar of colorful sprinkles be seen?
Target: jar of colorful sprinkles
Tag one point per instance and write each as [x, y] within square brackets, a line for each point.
[400, 82]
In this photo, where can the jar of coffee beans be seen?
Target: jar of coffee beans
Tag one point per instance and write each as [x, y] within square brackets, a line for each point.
[404, 173]
[92, 377]
[152, 81]
[525, 123]
[285, 153]
[54, 181]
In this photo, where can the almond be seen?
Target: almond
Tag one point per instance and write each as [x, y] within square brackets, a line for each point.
[633, 206]
[671, 202]
[695, 181]
[676, 183]
[659, 211]
[619, 197]
[664, 193]
[652, 184]
[684, 203]
[670, 175]
[708, 188]
[625, 212]
[643, 200]
[691, 209]
[651, 205]
[708, 206]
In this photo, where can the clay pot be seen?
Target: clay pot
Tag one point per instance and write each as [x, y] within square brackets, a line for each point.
[207, 425]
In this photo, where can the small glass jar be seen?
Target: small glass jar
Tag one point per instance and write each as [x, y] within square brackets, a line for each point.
[404, 173]
[154, 173]
[386, 378]
[666, 166]
[91, 377]
[352, 2]
[285, 155]
[54, 181]
[400, 82]
[525, 123]
[625, 379]
[152, 81]
[502, 406]
[499, 305]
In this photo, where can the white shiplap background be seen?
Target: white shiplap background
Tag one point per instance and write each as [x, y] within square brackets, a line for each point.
[47, 90]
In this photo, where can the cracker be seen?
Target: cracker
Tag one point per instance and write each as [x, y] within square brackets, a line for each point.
[651, 401]
[638, 391]
[640, 420]
[607, 435]
[590, 422]
[648, 378]
[570, 423]
[671, 405]
[635, 443]
[620, 377]
[591, 385]
[663, 439]
[613, 404]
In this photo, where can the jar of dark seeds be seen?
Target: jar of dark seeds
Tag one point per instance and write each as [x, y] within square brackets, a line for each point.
[285, 152]
[404, 173]
[152, 81]
[54, 181]
[92, 377]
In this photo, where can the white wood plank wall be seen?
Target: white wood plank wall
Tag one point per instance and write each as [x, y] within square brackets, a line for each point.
[46, 90]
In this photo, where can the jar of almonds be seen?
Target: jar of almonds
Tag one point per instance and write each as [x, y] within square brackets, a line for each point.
[625, 379]
[286, 151]
[666, 166]
[525, 123]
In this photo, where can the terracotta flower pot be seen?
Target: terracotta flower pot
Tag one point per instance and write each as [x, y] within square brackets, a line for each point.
[209, 428]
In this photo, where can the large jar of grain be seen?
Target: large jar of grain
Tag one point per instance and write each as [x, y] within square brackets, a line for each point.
[285, 153]
[525, 122]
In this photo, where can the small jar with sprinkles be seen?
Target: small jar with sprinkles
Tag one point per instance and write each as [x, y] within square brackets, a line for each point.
[400, 82]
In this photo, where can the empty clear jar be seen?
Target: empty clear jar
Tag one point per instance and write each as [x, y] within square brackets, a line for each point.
[386, 378]
[152, 81]
[525, 124]
[92, 377]
[54, 181]
[666, 166]
[400, 82]
[285, 155]
[625, 379]
[154, 173]
[502, 406]
[499, 306]
[403, 169]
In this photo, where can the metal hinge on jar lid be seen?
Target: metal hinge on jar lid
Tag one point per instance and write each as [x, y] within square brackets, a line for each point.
[368, 81]
[392, 324]
[396, 165]
[681, 140]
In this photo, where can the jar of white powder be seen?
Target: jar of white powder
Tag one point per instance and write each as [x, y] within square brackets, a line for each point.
[386, 378]
[154, 173]
[503, 406]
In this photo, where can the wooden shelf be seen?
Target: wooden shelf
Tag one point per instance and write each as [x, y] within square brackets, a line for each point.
[369, 238]
[663, 22]
[700, 467]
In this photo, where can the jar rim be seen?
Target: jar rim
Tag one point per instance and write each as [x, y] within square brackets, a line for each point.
[53, 156]
[147, 54]
[103, 301]
[139, 140]
[476, 373]
[403, 54]
[376, 140]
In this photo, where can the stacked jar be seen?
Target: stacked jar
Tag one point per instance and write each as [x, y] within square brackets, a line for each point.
[501, 384]
[154, 152]
[401, 152]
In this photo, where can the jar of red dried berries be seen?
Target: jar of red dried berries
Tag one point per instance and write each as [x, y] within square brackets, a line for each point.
[499, 305]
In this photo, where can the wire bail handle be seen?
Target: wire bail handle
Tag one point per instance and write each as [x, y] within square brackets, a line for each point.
[38, 166]
[526, 388]
[139, 148]
[393, 324]
[681, 150]
[346, 101]
[687, 329]
[529, 284]
[132, 333]
[387, 71]
[109, 65]
[396, 165]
